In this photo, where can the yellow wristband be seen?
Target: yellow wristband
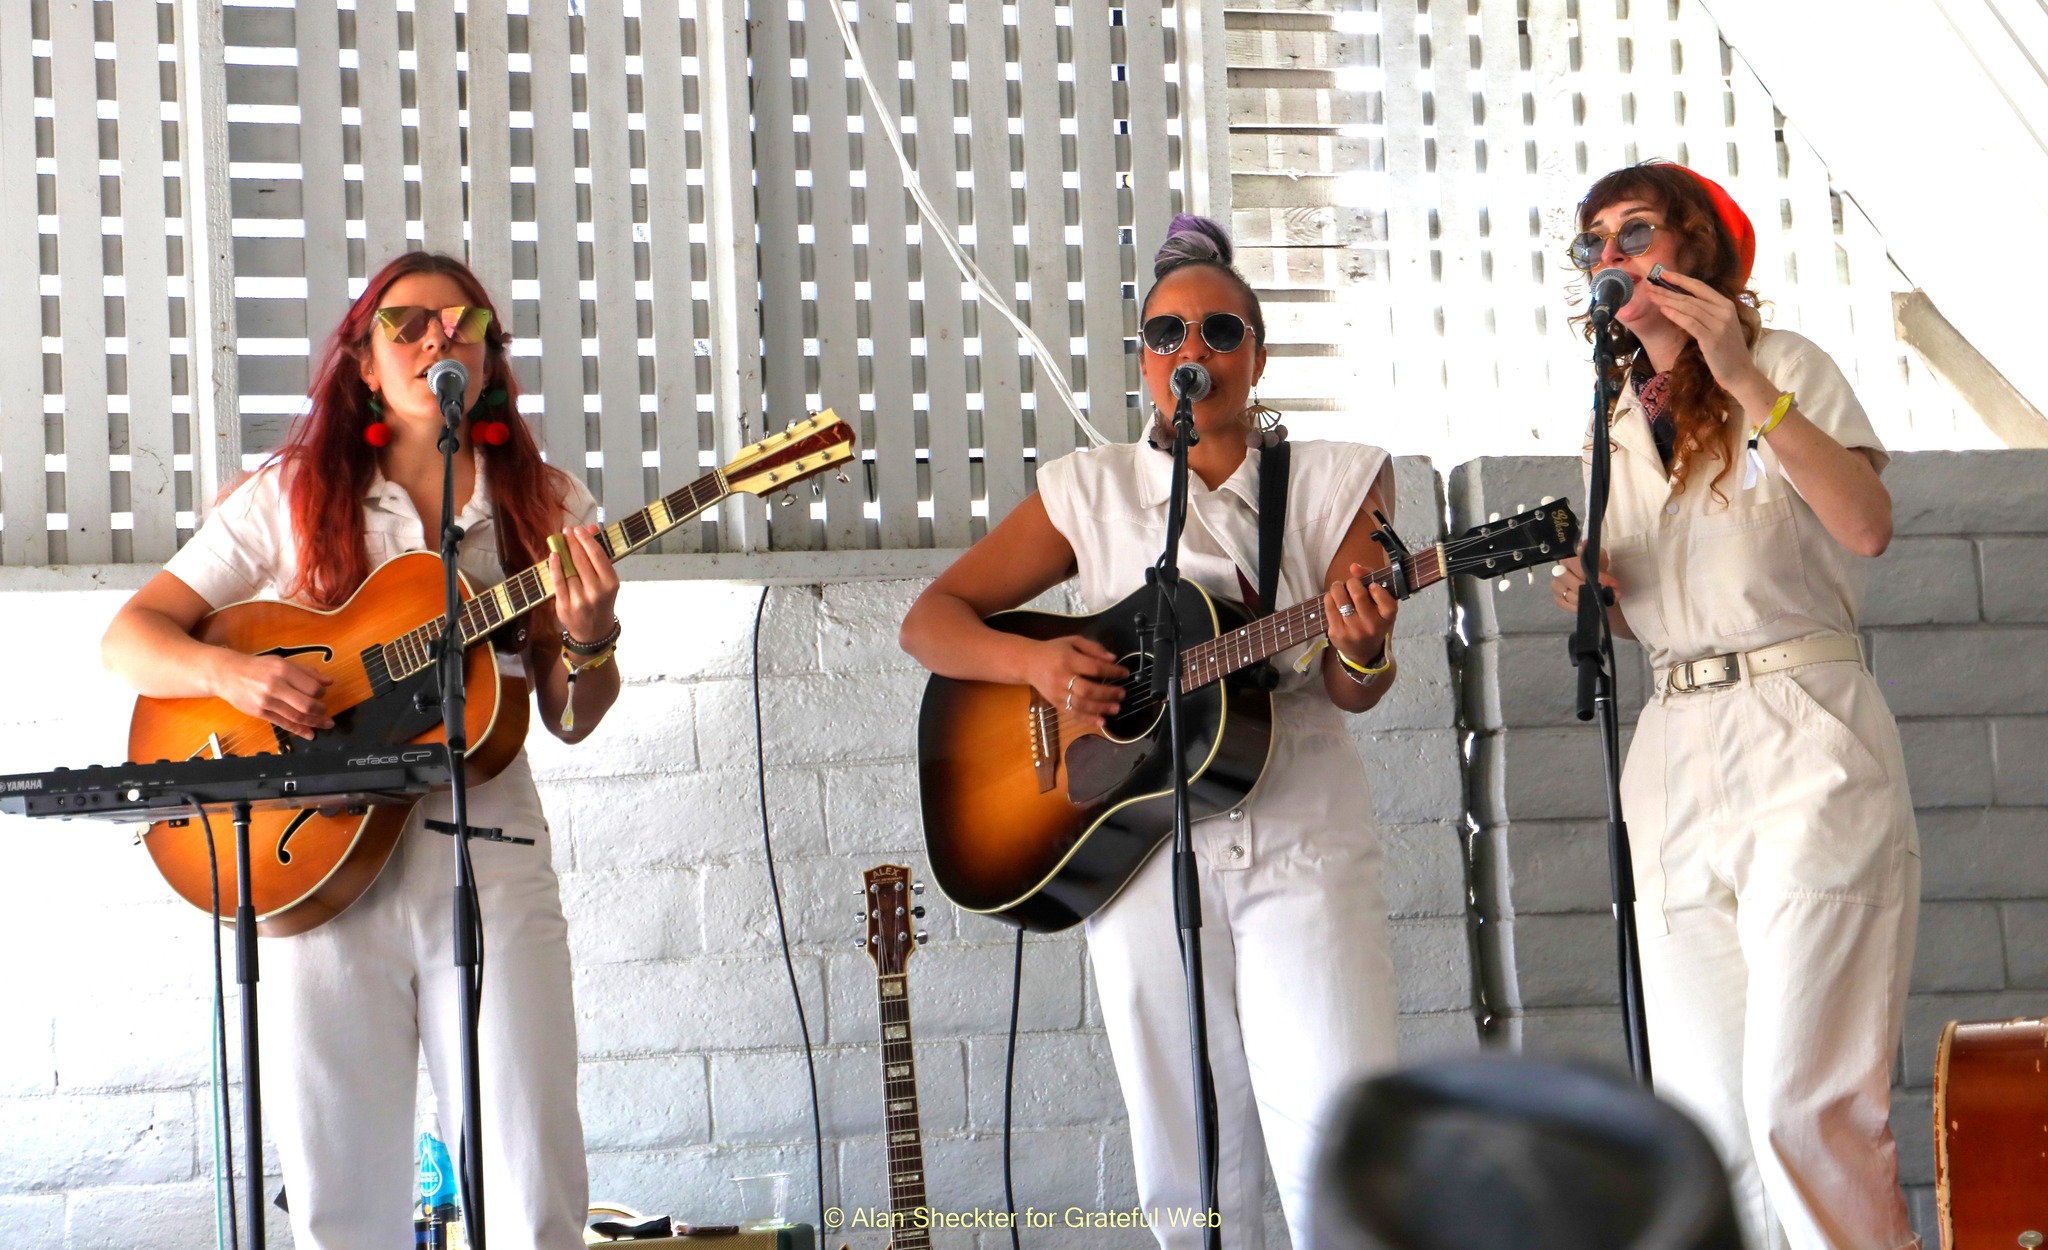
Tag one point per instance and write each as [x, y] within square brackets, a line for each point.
[1367, 671]
[1778, 411]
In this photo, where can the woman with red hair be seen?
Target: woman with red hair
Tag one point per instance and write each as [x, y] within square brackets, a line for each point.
[348, 1006]
[1776, 859]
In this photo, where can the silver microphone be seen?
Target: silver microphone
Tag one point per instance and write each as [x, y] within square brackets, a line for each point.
[1612, 289]
[1190, 382]
[448, 380]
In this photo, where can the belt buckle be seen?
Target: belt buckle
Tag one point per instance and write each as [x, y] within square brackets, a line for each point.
[1691, 676]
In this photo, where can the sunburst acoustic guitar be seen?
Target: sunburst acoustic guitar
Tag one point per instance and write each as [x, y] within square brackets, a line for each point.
[1038, 819]
[307, 865]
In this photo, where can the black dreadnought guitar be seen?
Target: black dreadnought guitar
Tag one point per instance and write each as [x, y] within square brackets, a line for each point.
[1038, 818]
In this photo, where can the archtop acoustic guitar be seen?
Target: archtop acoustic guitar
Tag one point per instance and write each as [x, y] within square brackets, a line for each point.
[307, 865]
[1037, 818]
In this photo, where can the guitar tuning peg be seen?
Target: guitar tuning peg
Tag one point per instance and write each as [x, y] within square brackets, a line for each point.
[817, 490]
[918, 912]
[923, 937]
[860, 944]
[788, 499]
[843, 477]
[917, 888]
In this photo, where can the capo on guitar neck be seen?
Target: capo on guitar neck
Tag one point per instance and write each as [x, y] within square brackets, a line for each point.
[1397, 556]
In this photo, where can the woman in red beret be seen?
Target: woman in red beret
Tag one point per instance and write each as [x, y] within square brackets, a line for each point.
[1777, 863]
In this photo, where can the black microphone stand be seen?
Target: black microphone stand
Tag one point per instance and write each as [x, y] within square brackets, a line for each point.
[1187, 888]
[468, 920]
[1592, 650]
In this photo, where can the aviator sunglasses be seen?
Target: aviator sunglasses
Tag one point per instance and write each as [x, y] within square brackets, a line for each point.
[405, 323]
[1222, 331]
[1633, 238]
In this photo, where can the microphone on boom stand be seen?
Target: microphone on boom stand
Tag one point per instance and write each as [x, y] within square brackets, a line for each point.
[449, 380]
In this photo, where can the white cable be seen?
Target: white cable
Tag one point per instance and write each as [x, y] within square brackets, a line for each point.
[985, 290]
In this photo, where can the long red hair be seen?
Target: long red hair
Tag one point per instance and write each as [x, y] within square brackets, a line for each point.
[328, 465]
[1699, 407]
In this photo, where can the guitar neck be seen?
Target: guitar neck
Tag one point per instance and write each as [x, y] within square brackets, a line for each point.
[1304, 622]
[523, 592]
[905, 1136]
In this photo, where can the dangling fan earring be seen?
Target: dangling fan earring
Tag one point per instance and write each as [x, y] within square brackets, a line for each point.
[493, 432]
[1262, 426]
[376, 433]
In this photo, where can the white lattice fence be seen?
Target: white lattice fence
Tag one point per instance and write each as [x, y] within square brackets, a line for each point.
[1405, 179]
[95, 461]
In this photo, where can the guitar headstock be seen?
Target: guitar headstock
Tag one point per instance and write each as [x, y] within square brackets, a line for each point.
[781, 460]
[890, 908]
[1541, 535]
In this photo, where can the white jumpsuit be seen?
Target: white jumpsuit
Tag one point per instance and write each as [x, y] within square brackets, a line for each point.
[346, 1008]
[1776, 859]
[1294, 941]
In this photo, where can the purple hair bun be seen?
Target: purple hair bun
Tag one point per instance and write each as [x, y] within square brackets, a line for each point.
[1190, 239]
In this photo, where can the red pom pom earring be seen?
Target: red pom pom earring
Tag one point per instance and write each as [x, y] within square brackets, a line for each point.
[376, 433]
[493, 433]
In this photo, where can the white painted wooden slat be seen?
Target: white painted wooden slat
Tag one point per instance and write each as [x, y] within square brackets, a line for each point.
[1109, 375]
[832, 265]
[1002, 422]
[1470, 377]
[88, 539]
[487, 86]
[25, 536]
[732, 273]
[1418, 347]
[322, 193]
[888, 270]
[381, 141]
[146, 301]
[1704, 89]
[559, 262]
[668, 255]
[1153, 199]
[1561, 180]
[209, 251]
[1753, 181]
[440, 135]
[945, 361]
[1509, 189]
[612, 264]
[1045, 220]
[784, 324]
[1600, 83]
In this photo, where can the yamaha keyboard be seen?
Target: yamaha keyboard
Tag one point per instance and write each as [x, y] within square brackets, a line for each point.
[169, 790]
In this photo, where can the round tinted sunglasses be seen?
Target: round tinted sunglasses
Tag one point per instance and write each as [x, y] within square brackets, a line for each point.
[404, 323]
[1633, 238]
[1222, 331]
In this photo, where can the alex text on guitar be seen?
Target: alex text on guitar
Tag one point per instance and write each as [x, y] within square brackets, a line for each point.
[1038, 819]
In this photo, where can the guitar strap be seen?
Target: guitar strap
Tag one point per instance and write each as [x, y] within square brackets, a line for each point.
[1273, 472]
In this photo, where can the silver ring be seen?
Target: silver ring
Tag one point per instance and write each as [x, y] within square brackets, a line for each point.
[1070, 700]
[1345, 609]
[1070, 682]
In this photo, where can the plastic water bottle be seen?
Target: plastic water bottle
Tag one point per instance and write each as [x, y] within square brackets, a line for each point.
[437, 1211]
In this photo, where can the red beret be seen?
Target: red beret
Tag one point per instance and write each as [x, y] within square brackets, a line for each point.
[1733, 220]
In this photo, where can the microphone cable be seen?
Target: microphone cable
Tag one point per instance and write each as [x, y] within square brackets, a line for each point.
[224, 1124]
[1010, 1083]
[781, 921]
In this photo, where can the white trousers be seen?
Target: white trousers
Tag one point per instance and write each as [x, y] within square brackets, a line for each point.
[1778, 871]
[1301, 998]
[346, 1010]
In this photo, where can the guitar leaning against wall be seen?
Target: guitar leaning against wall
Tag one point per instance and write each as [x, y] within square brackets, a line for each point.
[307, 865]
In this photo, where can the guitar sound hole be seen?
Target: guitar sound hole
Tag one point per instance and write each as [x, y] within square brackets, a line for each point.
[1140, 710]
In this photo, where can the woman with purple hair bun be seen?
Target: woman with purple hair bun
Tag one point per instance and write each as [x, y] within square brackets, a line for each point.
[1299, 980]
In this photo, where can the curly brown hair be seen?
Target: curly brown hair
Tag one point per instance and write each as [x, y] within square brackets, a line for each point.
[1698, 406]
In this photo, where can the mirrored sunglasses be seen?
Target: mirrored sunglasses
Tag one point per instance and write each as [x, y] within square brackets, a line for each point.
[404, 323]
[1633, 238]
[1222, 331]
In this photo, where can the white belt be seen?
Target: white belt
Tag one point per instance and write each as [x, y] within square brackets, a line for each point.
[1716, 671]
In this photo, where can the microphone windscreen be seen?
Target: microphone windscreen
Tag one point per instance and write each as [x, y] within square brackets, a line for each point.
[448, 378]
[1612, 287]
[1190, 381]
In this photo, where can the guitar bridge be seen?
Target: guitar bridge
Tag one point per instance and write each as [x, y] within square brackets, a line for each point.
[1045, 741]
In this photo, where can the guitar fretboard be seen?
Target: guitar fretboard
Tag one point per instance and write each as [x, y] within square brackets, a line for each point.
[521, 593]
[905, 1135]
[1304, 622]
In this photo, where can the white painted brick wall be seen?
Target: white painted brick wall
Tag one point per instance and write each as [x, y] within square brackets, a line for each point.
[1957, 613]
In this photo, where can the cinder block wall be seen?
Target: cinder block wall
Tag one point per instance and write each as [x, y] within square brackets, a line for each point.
[1956, 623]
[692, 1068]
